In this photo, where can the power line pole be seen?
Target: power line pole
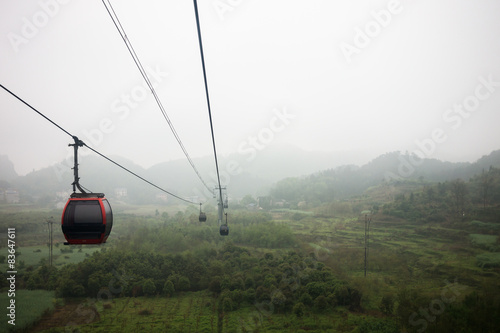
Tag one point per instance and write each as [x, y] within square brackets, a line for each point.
[367, 236]
[50, 222]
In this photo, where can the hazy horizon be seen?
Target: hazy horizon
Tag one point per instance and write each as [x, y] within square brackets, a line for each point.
[348, 159]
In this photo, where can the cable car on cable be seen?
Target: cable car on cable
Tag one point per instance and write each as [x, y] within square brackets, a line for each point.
[87, 218]
[203, 216]
[224, 230]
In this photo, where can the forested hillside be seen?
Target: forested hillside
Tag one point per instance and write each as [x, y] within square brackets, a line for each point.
[347, 181]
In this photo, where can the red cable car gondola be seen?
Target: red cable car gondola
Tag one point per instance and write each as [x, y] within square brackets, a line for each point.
[87, 218]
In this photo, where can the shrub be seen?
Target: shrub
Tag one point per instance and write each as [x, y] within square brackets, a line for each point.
[168, 288]
[387, 304]
[145, 312]
[487, 260]
[306, 299]
[227, 304]
[320, 303]
[299, 309]
[148, 287]
[376, 325]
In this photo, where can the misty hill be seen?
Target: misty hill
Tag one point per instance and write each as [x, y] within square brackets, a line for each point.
[7, 171]
[247, 173]
[346, 181]
[242, 174]
[286, 166]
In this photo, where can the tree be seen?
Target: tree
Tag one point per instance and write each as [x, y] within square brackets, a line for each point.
[148, 287]
[485, 184]
[168, 288]
[459, 193]
[306, 299]
[278, 299]
[214, 285]
[225, 283]
[249, 283]
[387, 304]
[320, 303]
[69, 288]
[249, 295]
[299, 309]
[238, 284]
[430, 194]
[265, 202]
[184, 283]
[94, 284]
[227, 304]
[248, 199]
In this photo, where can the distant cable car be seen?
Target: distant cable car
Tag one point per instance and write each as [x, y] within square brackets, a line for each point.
[203, 216]
[224, 230]
[87, 219]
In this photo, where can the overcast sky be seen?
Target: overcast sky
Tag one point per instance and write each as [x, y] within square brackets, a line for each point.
[364, 76]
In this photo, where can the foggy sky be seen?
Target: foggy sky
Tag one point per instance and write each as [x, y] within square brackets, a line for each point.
[364, 76]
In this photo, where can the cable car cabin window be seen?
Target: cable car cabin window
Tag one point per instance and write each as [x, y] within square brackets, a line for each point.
[85, 221]
[83, 212]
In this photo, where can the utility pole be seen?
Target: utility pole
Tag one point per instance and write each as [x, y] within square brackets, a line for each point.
[221, 203]
[367, 236]
[50, 222]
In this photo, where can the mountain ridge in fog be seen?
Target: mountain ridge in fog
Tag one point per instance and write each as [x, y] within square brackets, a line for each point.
[241, 175]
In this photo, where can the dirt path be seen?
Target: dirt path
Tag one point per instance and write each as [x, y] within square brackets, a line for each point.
[70, 314]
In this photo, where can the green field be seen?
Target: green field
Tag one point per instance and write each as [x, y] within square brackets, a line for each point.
[30, 306]
[488, 242]
[32, 255]
[199, 312]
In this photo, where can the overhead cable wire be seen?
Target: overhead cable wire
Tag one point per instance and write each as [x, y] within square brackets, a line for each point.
[141, 178]
[32, 108]
[121, 30]
[95, 151]
[207, 94]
